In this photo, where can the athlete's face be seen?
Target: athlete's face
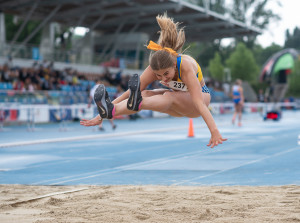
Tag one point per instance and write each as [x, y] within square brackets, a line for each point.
[165, 75]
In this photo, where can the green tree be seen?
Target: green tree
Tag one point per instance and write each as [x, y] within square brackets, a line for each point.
[207, 52]
[193, 49]
[215, 5]
[260, 16]
[292, 40]
[263, 54]
[12, 26]
[216, 68]
[294, 81]
[242, 64]
[254, 13]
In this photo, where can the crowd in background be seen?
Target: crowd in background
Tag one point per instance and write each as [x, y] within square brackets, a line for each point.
[43, 76]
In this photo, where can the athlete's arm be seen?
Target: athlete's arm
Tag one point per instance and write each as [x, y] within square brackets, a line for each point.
[190, 79]
[122, 97]
[147, 77]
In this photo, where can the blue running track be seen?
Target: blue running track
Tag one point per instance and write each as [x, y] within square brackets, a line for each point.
[154, 151]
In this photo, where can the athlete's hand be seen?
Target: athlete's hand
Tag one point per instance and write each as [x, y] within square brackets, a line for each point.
[91, 122]
[215, 139]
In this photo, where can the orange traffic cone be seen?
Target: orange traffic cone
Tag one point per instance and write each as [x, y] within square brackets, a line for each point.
[191, 129]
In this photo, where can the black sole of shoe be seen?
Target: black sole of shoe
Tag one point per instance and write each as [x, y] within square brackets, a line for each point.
[99, 98]
[133, 85]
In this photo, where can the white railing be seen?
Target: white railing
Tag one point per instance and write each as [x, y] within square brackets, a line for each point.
[31, 114]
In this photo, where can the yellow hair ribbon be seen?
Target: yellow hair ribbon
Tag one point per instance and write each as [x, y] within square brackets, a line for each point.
[155, 47]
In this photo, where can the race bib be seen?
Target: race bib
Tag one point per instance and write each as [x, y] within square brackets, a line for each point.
[175, 85]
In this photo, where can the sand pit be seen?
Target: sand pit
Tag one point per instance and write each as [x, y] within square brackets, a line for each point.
[21, 203]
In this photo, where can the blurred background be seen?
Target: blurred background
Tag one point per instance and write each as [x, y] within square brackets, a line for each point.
[53, 52]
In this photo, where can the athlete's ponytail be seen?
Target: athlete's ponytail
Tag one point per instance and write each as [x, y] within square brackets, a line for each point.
[170, 37]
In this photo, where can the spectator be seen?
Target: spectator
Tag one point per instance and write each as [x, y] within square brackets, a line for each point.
[5, 74]
[261, 96]
[18, 85]
[120, 91]
[28, 86]
[238, 99]
[108, 76]
[43, 77]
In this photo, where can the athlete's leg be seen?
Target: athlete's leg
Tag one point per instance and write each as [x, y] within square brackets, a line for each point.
[113, 125]
[152, 100]
[149, 93]
[182, 103]
[177, 104]
[100, 127]
[240, 108]
[235, 113]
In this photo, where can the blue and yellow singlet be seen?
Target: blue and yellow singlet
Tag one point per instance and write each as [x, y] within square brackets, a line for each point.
[199, 73]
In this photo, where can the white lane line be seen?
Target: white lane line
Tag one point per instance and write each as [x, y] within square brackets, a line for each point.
[75, 138]
[92, 174]
[100, 171]
[111, 170]
[123, 168]
[135, 165]
[245, 164]
[107, 171]
[48, 195]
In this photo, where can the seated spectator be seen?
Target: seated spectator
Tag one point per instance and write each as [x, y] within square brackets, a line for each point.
[4, 74]
[42, 76]
[18, 85]
[28, 86]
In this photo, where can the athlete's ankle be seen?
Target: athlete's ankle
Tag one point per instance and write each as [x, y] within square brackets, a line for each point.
[113, 112]
[140, 105]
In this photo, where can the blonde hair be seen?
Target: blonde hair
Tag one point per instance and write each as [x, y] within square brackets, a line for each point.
[171, 37]
[238, 82]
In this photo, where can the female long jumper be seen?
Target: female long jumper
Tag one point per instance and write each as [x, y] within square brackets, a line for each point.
[187, 95]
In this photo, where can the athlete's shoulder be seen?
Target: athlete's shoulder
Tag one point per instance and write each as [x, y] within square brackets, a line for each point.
[186, 57]
[188, 63]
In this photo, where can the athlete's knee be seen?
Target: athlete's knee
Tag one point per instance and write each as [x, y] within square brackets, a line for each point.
[169, 95]
[147, 93]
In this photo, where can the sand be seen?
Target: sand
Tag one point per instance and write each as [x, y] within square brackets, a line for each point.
[21, 203]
